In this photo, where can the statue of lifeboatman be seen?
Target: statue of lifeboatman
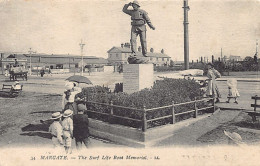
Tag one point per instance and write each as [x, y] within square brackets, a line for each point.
[139, 18]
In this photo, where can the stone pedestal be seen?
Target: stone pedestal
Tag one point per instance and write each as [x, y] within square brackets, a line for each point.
[137, 77]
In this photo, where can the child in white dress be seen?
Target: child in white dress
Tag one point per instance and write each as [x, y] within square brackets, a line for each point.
[232, 90]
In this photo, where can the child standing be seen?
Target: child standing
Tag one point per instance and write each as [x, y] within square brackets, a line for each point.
[81, 124]
[232, 90]
[67, 125]
[56, 130]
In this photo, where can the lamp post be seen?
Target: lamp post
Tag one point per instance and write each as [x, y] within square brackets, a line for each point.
[186, 8]
[30, 52]
[81, 48]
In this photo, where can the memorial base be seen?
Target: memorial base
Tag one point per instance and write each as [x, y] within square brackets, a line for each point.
[137, 77]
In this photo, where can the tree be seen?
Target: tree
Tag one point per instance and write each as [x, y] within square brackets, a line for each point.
[248, 63]
[171, 63]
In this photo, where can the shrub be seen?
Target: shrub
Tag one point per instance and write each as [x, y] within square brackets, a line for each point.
[163, 93]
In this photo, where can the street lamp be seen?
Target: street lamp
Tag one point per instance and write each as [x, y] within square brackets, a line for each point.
[30, 52]
[81, 47]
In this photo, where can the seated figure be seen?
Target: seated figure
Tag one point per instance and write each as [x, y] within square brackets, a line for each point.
[17, 86]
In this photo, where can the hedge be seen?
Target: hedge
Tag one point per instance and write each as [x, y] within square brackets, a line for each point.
[163, 93]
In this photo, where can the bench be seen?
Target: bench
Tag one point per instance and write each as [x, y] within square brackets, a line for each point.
[7, 87]
[8, 90]
[254, 113]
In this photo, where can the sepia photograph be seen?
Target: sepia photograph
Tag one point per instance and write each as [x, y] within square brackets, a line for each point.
[129, 82]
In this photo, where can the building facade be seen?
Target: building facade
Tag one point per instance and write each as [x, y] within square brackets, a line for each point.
[119, 55]
[46, 61]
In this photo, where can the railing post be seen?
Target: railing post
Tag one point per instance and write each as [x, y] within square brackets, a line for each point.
[255, 103]
[213, 103]
[173, 113]
[196, 109]
[111, 112]
[144, 119]
[85, 102]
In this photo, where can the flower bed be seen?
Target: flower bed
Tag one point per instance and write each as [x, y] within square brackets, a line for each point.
[163, 93]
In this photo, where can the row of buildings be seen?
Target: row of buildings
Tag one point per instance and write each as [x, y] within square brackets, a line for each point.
[47, 61]
[119, 55]
[116, 57]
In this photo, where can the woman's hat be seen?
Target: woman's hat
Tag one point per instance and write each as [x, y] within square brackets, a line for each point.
[67, 113]
[82, 107]
[69, 85]
[56, 115]
[234, 136]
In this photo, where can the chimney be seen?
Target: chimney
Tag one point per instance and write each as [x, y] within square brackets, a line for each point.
[139, 49]
[162, 51]
[151, 50]
[122, 45]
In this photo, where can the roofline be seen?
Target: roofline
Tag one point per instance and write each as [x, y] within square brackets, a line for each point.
[61, 56]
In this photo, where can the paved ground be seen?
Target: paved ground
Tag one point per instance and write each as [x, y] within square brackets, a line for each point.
[189, 135]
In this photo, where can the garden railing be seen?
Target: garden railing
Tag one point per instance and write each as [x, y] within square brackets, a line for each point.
[144, 111]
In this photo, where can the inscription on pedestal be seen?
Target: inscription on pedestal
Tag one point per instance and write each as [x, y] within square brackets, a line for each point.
[137, 77]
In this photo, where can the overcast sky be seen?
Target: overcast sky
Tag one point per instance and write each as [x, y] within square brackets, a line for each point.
[57, 27]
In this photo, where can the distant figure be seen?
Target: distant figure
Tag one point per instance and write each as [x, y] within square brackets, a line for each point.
[6, 73]
[232, 90]
[15, 63]
[42, 72]
[80, 127]
[67, 125]
[139, 18]
[212, 90]
[56, 130]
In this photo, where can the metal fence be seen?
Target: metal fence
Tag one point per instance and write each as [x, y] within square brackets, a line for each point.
[144, 111]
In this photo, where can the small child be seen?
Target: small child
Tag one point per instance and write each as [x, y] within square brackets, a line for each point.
[232, 90]
[203, 87]
[67, 125]
[56, 130]
[17, 86]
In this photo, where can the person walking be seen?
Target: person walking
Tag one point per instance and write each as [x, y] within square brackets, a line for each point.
[67, 125]
[232, 90]
[80, 127]
[212, 89]
[56, 130]
[139, 18]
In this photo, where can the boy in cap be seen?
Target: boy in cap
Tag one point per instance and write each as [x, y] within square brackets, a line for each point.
[81, 123]
[67, 125]
[56, 130]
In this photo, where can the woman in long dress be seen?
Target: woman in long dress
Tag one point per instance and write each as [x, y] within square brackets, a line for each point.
[212, 90]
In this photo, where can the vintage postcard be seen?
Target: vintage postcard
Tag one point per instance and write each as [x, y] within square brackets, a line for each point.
[120, 82]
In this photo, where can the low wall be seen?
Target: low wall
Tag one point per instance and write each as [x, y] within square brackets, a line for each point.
[136, 137]
[59, 71]
[109, 69]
